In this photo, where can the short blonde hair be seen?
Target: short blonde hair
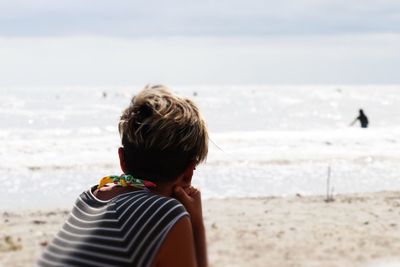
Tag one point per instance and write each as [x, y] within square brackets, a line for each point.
[162, 134]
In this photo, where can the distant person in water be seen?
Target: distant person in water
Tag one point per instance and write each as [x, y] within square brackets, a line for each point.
[362, 118]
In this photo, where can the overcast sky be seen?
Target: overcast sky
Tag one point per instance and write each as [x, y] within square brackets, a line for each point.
[77, 42]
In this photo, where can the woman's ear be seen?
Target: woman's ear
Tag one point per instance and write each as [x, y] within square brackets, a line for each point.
[122, 163]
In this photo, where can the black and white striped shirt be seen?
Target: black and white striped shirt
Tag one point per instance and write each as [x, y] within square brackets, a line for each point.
[127, 230]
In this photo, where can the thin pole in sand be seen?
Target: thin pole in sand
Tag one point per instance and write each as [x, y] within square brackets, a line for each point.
[328, 181]
[329, 193]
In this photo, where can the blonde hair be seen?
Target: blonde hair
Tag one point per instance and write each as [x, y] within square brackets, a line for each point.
[162, 134]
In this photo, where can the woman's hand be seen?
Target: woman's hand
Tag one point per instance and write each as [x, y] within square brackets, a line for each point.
[191, 198]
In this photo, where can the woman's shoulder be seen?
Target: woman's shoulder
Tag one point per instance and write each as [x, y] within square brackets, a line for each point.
[144, 198]
[148, 207]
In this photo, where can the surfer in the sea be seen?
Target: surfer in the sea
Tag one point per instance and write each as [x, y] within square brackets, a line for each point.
[362, 118]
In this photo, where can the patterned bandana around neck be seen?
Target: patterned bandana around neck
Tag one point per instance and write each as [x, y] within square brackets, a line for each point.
[125, 180]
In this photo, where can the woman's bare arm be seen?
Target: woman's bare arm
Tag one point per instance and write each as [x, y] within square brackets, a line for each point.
[191, 199]
[178, 248]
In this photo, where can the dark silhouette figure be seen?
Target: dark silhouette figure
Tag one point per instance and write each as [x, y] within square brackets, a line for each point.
[362, 118]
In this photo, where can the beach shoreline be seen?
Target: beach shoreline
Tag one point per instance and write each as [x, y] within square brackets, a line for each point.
[353, 230]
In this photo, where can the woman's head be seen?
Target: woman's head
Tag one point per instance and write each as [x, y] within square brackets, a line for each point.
[162, 134]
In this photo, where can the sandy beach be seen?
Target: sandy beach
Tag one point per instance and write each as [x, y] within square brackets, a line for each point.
[353, 230]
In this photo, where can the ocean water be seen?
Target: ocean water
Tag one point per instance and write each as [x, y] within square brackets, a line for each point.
[265, 140]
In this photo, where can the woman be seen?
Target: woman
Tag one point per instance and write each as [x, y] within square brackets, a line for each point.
[150, 215]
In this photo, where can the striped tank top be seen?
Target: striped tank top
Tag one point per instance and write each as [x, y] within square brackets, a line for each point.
[127, 230]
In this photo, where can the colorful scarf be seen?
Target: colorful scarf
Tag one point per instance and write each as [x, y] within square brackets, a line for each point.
[125, 180]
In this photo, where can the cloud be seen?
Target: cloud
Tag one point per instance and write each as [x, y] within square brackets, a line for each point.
[197, 18]
[123, 42]
[343, 59]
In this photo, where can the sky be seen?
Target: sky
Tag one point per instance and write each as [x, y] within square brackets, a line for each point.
[95, 43]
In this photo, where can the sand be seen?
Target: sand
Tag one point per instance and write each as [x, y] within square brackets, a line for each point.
[353, 230]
